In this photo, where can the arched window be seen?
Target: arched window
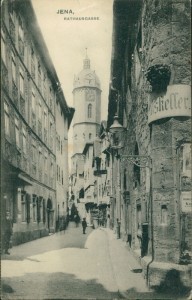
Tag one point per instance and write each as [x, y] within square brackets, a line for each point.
[89, 112]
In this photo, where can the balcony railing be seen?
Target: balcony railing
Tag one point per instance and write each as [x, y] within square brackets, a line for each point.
[99, 172]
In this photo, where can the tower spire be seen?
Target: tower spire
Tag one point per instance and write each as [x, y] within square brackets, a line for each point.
[86, 61]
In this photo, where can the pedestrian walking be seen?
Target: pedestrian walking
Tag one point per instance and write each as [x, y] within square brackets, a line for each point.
[84, 225]
[7, 233]
[77, 220]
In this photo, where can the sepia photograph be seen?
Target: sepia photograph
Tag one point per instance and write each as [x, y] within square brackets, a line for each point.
[96, 189]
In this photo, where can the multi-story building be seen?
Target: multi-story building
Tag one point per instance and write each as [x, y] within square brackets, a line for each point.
[63, 116]
[31, 97]
[102, 173]
[150, 92]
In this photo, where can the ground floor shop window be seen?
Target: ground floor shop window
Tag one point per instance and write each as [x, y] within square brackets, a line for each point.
[34, 208]
[44, 211]
[23, 208]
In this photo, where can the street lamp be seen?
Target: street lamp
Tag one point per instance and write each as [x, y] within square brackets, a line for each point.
[117, 131]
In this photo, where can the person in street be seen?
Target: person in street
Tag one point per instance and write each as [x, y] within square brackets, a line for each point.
[7, 233]
[84, 225]
[77, 220]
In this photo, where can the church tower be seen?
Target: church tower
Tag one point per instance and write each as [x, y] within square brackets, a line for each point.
[87, 104]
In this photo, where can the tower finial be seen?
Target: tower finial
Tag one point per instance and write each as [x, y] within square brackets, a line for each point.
[86, 61]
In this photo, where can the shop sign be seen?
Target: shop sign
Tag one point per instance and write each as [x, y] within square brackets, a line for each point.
[186, 202]
[176, 102]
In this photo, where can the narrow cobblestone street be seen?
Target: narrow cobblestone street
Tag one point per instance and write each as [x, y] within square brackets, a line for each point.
[70, 265]
[66, 265]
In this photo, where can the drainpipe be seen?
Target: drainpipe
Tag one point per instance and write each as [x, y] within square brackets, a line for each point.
[152, 226]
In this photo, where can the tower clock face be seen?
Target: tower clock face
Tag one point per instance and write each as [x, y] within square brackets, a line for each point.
[90, 96]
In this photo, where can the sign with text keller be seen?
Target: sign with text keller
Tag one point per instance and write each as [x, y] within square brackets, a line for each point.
[176, 102]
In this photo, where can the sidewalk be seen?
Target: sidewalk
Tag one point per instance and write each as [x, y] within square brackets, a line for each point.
[128, 273]
[127, 270]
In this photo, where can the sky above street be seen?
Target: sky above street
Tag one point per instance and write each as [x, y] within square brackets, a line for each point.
[67, 40]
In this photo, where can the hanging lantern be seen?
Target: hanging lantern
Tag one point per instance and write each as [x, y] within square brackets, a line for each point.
[117, 134]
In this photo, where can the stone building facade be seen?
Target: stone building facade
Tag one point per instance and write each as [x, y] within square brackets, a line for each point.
[150, 91]
[30, 91]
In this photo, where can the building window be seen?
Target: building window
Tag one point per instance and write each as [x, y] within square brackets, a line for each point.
[45, 119]
[164, 214]
[32, 64]
[40, 158]
[34, 208]
[21, 33]
[17, 132]
[44, 211]
[7, 119]
[89, 112]
[138, 220]
[21, 38]
[44, 86]
[39, 110]
[61, 147]
[24, 141]
[62, 177]
[46, 165]
[33, 103]
[23, 208]
[51, 134]
[13, 67]
[21, 81]
[125, 180]
[34, 157]
[187, 160]
[39, 75]
[3, 47]
[90, 136]
[39, 209]
[57, 172]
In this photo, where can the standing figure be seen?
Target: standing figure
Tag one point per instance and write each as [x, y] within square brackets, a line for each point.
[7, 233]
[84, 225]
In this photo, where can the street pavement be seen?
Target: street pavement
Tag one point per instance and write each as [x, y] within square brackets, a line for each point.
[71, 265]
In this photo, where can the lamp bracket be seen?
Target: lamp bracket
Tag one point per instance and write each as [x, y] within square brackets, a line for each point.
[141, 161]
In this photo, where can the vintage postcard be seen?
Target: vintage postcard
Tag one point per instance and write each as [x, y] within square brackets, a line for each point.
[96, 149]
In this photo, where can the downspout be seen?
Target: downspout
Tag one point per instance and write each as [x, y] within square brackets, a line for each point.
[152, 240]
